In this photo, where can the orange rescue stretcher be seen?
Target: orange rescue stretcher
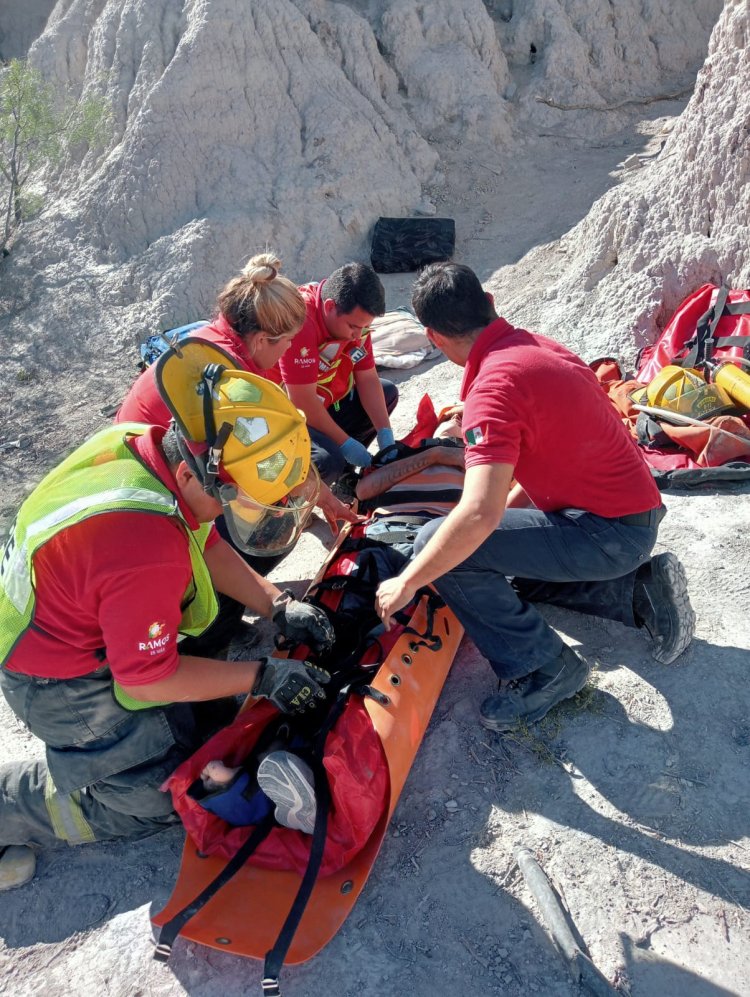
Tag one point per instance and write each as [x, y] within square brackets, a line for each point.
[247, 914]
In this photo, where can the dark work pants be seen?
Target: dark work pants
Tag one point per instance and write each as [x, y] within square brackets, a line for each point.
[352, 418]
[568, 558]
[104, 764]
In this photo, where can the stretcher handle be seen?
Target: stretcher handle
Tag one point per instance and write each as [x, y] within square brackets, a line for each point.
[428, 639]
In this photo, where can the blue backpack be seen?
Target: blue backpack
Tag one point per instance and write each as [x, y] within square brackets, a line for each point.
[155, 345]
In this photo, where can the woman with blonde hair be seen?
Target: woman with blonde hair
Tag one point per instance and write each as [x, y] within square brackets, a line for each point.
[259, 312]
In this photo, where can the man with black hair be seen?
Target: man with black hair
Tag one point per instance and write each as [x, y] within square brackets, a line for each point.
[577, 527]
[329, 371]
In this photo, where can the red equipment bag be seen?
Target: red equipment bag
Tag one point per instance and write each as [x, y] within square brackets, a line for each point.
[712, 322]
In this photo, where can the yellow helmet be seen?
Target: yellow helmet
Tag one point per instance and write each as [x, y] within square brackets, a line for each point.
[683, 390]
[245, 441]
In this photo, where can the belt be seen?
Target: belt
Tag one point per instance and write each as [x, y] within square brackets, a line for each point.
[643, 518]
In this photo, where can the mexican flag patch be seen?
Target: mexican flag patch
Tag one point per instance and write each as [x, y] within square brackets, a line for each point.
[474, 436]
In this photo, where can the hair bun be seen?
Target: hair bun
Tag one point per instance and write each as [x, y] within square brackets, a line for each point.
[262, 269]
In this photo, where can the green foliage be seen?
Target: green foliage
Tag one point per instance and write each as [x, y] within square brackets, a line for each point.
[32, 203]
[38, 129]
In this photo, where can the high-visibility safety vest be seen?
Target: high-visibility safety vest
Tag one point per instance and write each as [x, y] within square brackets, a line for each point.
[102, 475]
[336, 363]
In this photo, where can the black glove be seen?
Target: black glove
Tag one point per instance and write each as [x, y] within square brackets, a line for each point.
[303, 623]
[292, 686]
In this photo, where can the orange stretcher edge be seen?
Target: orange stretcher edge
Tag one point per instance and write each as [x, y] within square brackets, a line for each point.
[246, 915]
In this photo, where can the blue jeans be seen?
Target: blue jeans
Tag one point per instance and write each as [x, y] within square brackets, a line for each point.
[567, 558]
[352, 418]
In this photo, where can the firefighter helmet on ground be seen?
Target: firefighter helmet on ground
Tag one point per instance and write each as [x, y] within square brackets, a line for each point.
[683, 390]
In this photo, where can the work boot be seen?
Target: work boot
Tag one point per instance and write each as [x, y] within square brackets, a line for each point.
[289, 783]
[661, 604]
[530, 698]
[17, 865]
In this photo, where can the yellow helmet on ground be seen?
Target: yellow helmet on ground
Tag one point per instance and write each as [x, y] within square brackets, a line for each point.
[683, 390]
[245, 441]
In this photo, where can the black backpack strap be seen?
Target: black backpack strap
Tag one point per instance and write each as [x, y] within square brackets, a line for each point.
[737, 308]
[743, 342]
[275, 956]
[701, 345]
[174, 926]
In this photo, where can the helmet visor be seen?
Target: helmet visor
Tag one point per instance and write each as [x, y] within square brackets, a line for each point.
[269, 530]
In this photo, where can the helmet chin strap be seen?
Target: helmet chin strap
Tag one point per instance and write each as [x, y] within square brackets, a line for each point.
[212, 374]
[209, 379]
[215, 452]
[205, 467]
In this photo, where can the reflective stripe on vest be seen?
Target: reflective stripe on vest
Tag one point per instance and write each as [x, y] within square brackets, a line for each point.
[102, 475]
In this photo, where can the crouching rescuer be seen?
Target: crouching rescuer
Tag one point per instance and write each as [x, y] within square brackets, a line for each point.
[111, 573]
[576, 530]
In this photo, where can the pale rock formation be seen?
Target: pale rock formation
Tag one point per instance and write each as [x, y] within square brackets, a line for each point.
[452, 68]
[296, 123]
[241, 130]
[679, 222]
[587, 57]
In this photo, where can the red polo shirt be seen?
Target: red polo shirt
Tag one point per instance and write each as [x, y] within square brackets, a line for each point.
[143, 403]
[299, 364]
[109, 590]
[531, 403]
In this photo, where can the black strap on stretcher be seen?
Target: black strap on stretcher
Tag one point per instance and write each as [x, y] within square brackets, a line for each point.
[275, 956]
[174, 926]
[702, 345]
[429, 639]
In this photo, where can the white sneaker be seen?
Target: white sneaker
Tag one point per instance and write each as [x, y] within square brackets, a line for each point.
[289, 783]
[17, 866]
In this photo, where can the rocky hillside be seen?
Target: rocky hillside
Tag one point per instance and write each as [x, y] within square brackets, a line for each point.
[296, 123]
[679, 220]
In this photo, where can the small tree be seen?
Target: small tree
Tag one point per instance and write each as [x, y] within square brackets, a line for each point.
[36, 131]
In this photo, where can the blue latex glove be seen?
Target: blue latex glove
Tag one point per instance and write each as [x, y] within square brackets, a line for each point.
[355, 453]
[385, 438]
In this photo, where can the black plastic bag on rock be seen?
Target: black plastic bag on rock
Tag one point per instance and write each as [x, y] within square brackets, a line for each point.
[403, 244]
